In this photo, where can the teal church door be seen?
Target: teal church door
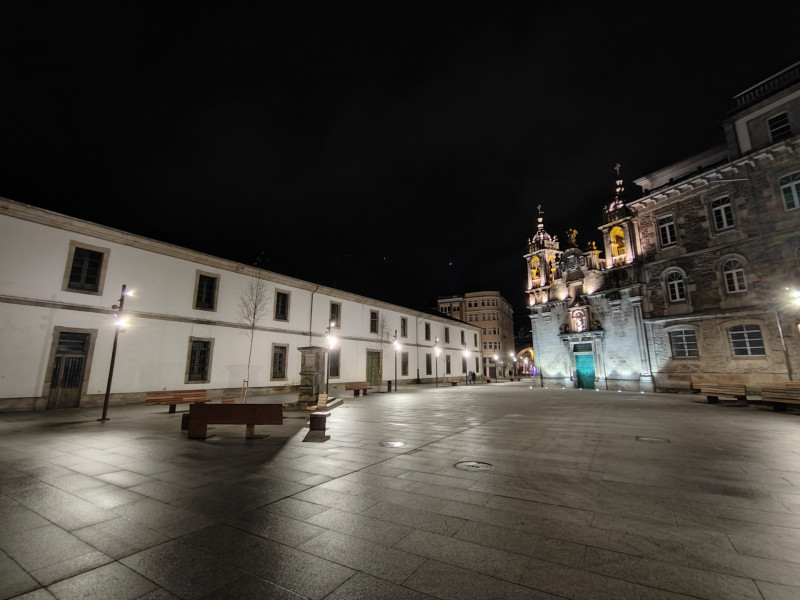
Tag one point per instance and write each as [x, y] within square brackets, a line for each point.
[584, 365]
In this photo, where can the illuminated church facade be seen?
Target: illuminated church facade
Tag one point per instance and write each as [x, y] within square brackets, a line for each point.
[697, 277]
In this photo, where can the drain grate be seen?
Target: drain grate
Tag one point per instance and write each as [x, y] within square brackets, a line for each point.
[392, 444]
[471, 465]
[644, 438]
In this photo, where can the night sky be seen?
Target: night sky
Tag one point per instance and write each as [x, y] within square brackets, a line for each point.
[399, 151]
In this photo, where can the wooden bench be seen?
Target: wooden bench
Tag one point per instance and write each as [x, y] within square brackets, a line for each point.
[175, 397]
[322, 403]
[357, 387]
[714, 390]
[781, 396]
[249, 415]
[452, 381]
[229, 398]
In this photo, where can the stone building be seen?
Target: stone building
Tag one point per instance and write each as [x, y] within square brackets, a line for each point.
[699, 272]
[494, 315]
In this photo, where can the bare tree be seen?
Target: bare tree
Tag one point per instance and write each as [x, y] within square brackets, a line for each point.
[253, 305]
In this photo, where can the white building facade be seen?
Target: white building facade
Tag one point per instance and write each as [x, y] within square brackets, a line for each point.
[62, 277]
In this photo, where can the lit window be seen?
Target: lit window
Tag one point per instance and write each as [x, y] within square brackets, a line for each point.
[779, 128]
[675, 287]
[684, 343]
[666, 231]
[734, 276]
[789, 189]
[723, 213]
[746, 340]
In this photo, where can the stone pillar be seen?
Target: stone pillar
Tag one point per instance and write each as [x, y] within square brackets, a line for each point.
[312, 373]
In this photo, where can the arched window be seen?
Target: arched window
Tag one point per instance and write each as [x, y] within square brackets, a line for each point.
[617, 241]
[790, 190]
[733, 272]
[676, 288]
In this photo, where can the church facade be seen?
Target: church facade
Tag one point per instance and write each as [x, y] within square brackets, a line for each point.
[699, 274]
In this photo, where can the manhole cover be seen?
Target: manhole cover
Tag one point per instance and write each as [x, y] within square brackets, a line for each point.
[392, 444]
[644, 438]
[471, 465]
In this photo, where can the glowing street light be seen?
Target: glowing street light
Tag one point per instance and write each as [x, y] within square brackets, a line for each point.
[120, 324]
[396, 348]
[437, 351]
[466, 362]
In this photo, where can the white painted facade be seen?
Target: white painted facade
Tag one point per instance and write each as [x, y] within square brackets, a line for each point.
[154, 348]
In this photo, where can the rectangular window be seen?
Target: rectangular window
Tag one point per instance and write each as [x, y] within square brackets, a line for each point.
[333, 361]
[666, 231]
[475, 339]
[684, 343]
[86, 268]
[790, 189]
[463, 339]
[428, 332]
[336, 314]
[746, 340]
[373, 321]
[205, 293]
[404, 363]
[199, 361]
[446, 335]
[281, 306]
[447, 364]
[779, 128]
[279, 354]
[723, 213]
[428, 364]
[403, 327]
[463, 364]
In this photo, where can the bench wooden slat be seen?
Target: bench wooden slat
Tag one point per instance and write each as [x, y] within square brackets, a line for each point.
[357, 386]
[781, 396]
[249, 415]
[728, 389]
[174, 397]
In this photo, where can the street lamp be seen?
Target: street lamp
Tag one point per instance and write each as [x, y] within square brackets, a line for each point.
[120, 324]
[396, 348]
[466, 364]
[437, 351]
[496, 368]
[331, 344]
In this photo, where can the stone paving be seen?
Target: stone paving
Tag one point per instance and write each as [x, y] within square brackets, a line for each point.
[564, 494]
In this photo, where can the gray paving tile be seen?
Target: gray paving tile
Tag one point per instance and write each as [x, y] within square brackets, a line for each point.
[109, 581]
[361, 526]
[119, 537]
[415, 518]
[14, 580]
[182, 569]
[43, 546]
[275, 526]
[453, 583]
[364, 556]
[40, 594]
[366, 587]
[772, 591]
[123, 478]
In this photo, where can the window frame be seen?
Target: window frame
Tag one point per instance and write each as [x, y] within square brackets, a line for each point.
[722, 214]
[282, 317]
[188, 379]
[745, 330]
[334, 362]
[337, 318]
[403, 327]
[666, 224]
[779, 130]
[428, 363]
[682, 348]
[427, 332]
[674, 276]
[735, 276]
[75, 245]
[215, 294]
[404, 364]
[272, 373]
[790, 183]
[374, 319]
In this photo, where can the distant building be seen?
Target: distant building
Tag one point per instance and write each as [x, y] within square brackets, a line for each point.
[61, 284]
[494, 315]
[699, 273]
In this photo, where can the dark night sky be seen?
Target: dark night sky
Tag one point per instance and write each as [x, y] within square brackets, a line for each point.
[398, 151]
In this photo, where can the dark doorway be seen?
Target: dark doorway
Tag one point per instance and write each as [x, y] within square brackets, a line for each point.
[69, 364]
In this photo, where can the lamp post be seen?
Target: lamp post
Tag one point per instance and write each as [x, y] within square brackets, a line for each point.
[466, 364]
[496, 368]
[331, 343]
[396, 348]
[120, 323]
[437, 351]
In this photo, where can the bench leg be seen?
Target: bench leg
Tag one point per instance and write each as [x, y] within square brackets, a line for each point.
[356, 393]
[198, 429]
[712, 399]
[365, 392]
[171, 408]
[779, 406]
[250, 431]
